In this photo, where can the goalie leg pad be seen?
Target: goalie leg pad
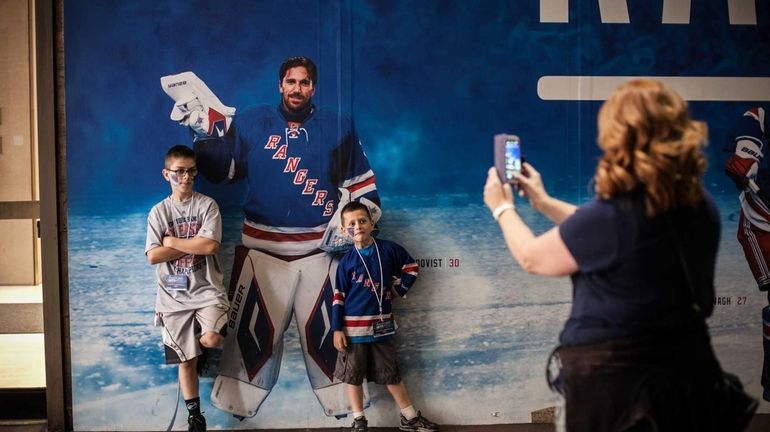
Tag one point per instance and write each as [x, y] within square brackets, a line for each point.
[262, 293]
[766, 347]
[334, 399]
[312, 308]
[756, 248]
[237, 397]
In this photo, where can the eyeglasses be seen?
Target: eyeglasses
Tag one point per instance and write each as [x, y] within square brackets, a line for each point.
[182, 171]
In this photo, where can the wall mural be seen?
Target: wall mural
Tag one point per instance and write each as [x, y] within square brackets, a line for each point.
[427, 84]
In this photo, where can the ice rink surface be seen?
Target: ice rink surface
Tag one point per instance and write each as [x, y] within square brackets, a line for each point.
[474, 334]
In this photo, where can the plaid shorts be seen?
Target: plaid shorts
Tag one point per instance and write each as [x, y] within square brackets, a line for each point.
[375, 361]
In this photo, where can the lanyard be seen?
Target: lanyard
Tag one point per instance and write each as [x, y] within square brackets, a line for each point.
[189, 217]
[189, 220]
[374, 287]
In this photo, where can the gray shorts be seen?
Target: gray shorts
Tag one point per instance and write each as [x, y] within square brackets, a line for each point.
[182, 330]
[375, 361]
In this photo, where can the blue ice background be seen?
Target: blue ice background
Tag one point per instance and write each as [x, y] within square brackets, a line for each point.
[429, 83]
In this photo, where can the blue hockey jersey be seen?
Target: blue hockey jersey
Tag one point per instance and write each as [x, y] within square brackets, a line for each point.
[355, 308]
[748, 166]
[297, 173]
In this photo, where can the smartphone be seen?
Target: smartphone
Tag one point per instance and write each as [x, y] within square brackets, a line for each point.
[507, 150]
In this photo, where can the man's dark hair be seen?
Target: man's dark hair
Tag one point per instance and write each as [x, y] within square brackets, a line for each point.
[293, 62]
[353, 206]
[180, 151]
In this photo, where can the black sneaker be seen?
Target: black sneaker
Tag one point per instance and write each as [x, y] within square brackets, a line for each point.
[417, 424]
[360, 425]
[196, 423]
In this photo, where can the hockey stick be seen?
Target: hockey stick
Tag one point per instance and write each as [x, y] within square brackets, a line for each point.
[176, 406]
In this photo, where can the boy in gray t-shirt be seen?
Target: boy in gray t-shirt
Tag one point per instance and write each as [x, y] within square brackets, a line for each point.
[183, 236]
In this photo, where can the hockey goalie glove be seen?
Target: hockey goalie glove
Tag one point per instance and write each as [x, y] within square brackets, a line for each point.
[335, 238]
[196, 106]
[743, 165]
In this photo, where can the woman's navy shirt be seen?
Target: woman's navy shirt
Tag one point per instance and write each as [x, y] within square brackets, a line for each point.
[630, 281]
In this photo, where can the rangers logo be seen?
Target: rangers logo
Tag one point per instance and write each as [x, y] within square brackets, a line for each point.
[294, 131]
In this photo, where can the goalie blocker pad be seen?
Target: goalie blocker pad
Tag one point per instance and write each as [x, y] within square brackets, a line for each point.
[335, 239]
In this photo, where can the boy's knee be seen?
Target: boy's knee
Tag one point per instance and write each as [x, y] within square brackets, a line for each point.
[211, 339]
[188, 366]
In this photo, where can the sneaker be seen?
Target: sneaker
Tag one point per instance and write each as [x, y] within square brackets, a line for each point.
[360, 425]
[196, 423]
[417, 424]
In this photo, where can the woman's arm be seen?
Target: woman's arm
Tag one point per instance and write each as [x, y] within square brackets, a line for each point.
[544, 255]
[556, 210]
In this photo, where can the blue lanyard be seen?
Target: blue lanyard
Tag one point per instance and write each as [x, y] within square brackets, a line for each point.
[382, 285]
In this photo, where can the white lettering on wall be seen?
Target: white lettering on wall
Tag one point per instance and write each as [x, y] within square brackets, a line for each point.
[676, 12]
[740, 12]
[554, 11]
[692, 88]
[614, 11]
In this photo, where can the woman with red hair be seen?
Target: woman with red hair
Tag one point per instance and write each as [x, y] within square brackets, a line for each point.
[635, 351]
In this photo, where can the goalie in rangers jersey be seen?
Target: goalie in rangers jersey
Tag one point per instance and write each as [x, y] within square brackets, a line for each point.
[302, 164]
[748, 169]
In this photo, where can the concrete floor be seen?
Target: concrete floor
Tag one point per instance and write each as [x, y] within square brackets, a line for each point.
[761, 423]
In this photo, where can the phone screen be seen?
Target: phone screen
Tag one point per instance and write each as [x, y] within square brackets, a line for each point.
[512, 157]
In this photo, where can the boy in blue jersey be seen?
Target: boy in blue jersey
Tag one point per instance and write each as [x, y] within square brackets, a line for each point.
[362, 317]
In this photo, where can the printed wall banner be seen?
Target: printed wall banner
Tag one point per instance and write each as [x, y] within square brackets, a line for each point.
[424, 85]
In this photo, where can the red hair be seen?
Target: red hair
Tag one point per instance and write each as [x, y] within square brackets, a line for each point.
[649, 141]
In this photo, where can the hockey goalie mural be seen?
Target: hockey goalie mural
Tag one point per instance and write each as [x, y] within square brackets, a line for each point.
[295, 109]
[306, 162]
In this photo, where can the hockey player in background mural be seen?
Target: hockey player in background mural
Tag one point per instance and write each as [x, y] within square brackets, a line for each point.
[748, 168]
[302, 163]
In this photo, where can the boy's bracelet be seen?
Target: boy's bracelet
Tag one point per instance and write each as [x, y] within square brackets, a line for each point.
[501, 209]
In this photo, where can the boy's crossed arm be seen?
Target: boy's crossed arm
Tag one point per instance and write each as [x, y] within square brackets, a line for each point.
[192, 246]
[175, 248]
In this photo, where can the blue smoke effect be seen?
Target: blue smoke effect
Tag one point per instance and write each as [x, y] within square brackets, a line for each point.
[428, 82]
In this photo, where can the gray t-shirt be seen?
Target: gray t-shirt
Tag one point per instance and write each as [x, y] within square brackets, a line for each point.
[198, 216]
